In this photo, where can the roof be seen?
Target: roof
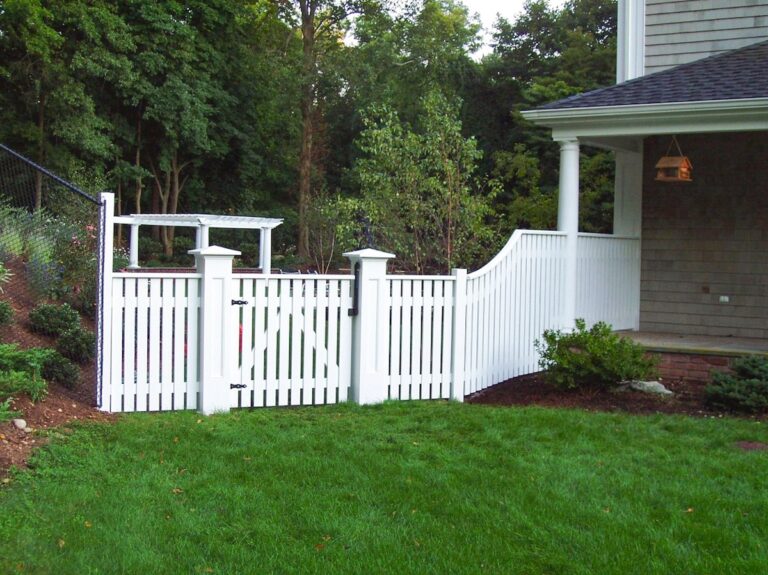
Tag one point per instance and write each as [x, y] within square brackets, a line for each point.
[196, 220]
[736, 75]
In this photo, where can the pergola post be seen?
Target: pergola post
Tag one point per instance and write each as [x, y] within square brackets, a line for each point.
[568, 222]
[265, 250]
[201, 237]
[133, 254]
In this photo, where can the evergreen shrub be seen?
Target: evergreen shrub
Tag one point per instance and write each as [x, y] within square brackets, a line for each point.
[744, 390]
[594, 357]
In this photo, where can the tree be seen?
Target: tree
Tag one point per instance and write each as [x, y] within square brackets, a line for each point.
[419, 190]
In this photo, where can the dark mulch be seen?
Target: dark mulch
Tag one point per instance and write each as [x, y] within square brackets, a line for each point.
[533, 389]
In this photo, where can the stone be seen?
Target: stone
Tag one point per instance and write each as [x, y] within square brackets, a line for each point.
[20, 423]
[649, 387]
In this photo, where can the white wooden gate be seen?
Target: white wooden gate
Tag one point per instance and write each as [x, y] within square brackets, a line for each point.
[293, 335]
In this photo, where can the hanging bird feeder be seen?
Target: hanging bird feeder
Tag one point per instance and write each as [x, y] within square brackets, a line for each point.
[674, 168]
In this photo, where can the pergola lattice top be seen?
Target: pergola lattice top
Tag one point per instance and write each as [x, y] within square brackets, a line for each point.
[203, 222]
[197, 220]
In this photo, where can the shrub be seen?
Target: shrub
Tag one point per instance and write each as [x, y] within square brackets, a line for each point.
[52, 319]
[58, 369]
[6, 414]
[594, 357]
[30, 360]
[15, 382]
[6, 313]
[77, 344]
[745, 390]
[149, 248]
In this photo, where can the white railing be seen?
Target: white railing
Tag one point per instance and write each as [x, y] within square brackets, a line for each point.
[510, 302]
[154, 341]
[294, 338]
[419, 338]
[608, 280]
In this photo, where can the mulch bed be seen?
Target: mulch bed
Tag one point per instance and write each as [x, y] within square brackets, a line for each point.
[688, 398]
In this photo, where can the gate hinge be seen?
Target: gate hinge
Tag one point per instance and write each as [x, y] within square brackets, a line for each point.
[239, 302]
[237, 386]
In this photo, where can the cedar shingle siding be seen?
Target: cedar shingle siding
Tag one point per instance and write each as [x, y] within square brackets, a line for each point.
[677, 32]
[707, 238]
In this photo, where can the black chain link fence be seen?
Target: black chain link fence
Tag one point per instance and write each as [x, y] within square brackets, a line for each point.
[48, 237]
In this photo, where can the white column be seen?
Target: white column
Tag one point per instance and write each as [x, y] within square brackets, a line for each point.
[568, 222]
[370, 329]
[201, 237]
[628, 194]
[459, 334]
[133, 255]
[218, 344]
[265, 250]
[104, 315]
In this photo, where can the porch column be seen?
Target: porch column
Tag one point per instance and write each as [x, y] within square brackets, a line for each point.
[568, 222]
[628, 194]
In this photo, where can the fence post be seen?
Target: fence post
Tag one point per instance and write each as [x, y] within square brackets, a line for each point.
[370, 328]
[104, 312]
[459, 334]
[217, 338]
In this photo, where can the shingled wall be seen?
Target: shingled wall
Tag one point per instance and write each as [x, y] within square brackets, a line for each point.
[707, 238]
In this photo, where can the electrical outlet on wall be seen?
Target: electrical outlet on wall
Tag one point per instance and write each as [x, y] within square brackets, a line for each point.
[725, 299]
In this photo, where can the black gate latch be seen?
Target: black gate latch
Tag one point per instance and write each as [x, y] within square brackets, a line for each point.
[237, 386]
[239, 302]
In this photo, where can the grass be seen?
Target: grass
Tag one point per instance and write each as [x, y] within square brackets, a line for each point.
[398, 488]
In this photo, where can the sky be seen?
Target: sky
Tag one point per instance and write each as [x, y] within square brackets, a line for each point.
[488, 9]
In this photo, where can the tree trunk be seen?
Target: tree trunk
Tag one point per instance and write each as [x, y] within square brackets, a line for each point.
[139, 184]
[307, 109]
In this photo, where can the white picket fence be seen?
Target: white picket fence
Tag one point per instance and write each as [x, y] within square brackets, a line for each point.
[278, 340]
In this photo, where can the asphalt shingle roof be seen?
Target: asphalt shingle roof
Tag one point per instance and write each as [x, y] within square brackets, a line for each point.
[734, 75]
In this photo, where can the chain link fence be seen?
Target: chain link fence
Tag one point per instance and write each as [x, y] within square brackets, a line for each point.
[48, 237]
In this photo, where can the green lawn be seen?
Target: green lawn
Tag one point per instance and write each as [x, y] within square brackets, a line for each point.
[398, 488]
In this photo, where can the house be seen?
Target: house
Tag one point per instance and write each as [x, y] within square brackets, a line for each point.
[694, 75]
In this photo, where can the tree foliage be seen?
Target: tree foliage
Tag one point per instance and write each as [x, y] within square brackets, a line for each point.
[284, 107]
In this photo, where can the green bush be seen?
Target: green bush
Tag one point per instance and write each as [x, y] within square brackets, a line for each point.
[58, 369]
[149, 248]
[52, 319]
[745, 390]
[77, 344]
[6, 414]
[594, 357]
[30, 360]
[6, 313]
[13, 383]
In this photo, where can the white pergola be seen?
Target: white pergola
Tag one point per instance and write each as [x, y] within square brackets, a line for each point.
[203, 222]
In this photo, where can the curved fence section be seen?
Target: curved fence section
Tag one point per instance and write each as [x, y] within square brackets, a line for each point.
[509, 303]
